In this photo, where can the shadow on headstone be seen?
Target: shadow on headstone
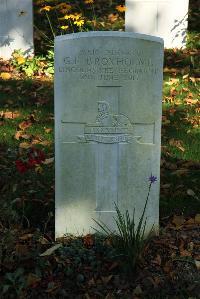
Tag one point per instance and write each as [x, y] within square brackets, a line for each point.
[16, 27]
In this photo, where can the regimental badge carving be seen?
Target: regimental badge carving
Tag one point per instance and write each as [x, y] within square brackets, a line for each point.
[108, 128]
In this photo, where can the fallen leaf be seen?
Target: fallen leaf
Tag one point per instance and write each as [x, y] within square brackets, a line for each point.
[38, 169]
[190, 222]
[190, 192]
[137, 291]
[166, 186]
[191, 101]
[5, 76]
[48, 161]
[113, 17]
[185, 253]
[172, 81]
[47, 130]
[193, 80]
[51, 250]
[177, 143]
[88, 240]
[157, 260]
[25, 124]
[43, 240]
[18, 134]
[197, 263]
[178, 221]
[21, 249]
[197, 219]
[91, 282]
[106, 279]
[10, 114]
[168, 267]
[52, 286]
[25, 145]
[32, 279]
[186, 76]
[21, 134]
[45, 143]
[113, 266]
[26, 237]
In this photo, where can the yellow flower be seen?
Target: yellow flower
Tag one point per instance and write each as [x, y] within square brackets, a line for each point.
[46, 8]
[64, 27]
[20, 60]
[89, 1]
[73, 17]
[79, 23]
[121, 8]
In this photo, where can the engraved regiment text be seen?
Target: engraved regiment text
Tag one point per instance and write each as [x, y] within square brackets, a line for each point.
[109, 65]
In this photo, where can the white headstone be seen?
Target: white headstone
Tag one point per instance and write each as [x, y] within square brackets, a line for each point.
[108, 89]
[16, 27]
[163, 18]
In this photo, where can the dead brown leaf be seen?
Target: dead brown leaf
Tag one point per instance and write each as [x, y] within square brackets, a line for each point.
[47, 130]
[177, 143]
[32, 279]
[9, 114]
[197, 219]
[48, 161]
[113, 17]
[191, 101]
[21, 249]
[25, 145]
[185, 253]
[157, 260]
[25, 124]
[197, 263]
[178, 220]
[26, 237]
[106, 279]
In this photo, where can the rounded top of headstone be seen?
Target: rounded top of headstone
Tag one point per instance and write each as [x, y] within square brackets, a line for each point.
[140, 36]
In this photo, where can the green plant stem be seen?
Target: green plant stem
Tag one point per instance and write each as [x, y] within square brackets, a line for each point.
[71, 25]
[146, 200]
[42, 33]
[50, 24]
[94, 14]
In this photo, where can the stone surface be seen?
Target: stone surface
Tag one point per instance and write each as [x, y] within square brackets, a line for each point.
[16, 27]
[163, 18]
[108, 89]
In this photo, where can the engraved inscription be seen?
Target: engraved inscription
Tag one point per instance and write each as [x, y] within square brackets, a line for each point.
[108, 128]
[109, 65]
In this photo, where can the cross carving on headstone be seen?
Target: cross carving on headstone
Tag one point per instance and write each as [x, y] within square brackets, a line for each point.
[110, 131]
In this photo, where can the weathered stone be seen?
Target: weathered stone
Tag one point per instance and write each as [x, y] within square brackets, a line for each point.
[16, 27]
[163, 18]
[108, 89]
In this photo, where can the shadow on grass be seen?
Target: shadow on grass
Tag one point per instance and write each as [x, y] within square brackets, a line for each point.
[30, 196]
[26, 198]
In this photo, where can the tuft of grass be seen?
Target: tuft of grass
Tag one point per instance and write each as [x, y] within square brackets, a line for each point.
[130, 240]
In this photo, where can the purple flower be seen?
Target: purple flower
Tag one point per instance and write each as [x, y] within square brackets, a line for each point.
[152, 179]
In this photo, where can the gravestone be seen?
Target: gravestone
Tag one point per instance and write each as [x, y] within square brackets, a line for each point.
[16, 27]
[108, 88]
[163, 18]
